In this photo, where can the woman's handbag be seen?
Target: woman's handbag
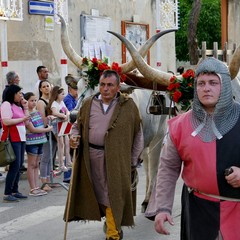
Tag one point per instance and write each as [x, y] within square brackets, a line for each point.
[7, 154]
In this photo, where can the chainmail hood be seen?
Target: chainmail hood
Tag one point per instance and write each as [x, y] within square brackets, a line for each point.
[211, 126]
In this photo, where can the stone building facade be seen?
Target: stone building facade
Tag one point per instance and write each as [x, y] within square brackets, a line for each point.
[30, 44]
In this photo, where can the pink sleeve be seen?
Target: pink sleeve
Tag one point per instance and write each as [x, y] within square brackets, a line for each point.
[74, 130]
[6, 110]
[162, 197]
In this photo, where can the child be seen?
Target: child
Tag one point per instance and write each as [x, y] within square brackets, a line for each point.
[58, 109]
[34, 144]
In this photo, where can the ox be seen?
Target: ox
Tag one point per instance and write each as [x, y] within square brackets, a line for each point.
[154, 126]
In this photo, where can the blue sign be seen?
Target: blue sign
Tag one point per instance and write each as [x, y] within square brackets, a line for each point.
[41, 8]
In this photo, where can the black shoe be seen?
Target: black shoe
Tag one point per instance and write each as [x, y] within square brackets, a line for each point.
[121, 234]
[10, 198]
[23, 169]
[19, 196]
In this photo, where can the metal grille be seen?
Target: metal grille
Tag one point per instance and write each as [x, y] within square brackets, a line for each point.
[11, 10]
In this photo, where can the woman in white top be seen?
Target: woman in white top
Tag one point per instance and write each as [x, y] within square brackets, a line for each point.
[58, 109]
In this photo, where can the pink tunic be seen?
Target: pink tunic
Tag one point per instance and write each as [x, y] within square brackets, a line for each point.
[17, 132]
[203, 170]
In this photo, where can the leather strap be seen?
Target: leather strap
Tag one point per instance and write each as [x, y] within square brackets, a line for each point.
[96, 146]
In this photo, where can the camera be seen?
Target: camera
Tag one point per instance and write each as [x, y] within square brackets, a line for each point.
[228, 171]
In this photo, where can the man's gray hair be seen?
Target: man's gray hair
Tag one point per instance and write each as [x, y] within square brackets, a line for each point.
[110, 73]
[10, 76]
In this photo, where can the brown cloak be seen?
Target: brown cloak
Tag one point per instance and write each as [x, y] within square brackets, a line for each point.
[124, 125]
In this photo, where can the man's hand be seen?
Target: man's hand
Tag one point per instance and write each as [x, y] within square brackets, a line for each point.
[74, 141]
[234, 178]
[159, 222]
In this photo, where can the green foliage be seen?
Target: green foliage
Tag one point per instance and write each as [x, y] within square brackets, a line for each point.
[208, 29]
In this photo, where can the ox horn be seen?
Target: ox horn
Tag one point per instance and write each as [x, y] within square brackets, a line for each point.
[67, 47]
[129, 66]
[235, 63]
[77, 60]
[146, 70]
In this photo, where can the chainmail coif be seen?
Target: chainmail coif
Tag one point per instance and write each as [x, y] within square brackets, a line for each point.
[211, 126]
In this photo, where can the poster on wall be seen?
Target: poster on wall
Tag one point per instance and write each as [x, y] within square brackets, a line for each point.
[95, 40]
[137, 34]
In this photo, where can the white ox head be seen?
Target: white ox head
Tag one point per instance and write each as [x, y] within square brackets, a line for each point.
[163, 77]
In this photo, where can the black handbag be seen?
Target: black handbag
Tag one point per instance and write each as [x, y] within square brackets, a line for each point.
[7, 154]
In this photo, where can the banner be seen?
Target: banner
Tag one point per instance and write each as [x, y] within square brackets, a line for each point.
[64, 128]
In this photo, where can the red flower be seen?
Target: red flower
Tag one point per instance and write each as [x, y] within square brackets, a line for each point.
[176, 96]
[188, 74]
[180, 89]
[173, 79]
[116, 67]
[123, 77]
[85, 61]
[171, 87]
[177, 85]
[94, 61]
[95, 68]
[103, 66]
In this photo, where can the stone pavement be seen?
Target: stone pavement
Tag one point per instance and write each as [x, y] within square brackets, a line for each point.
[41, 217]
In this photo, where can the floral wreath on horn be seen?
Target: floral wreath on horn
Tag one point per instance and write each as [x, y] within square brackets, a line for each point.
[180, 89]
[95, 68]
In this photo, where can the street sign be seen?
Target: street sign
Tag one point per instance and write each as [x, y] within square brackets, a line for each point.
[41, 8]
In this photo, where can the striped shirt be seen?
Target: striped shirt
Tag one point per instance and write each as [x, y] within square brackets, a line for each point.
[37, 122]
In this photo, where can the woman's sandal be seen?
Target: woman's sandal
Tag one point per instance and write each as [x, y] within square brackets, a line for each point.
[41, 190]
[36, 192]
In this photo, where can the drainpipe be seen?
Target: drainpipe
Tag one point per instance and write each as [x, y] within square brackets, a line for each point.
[224, 22]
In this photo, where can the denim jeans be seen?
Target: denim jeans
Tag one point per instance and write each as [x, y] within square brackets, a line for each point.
[13, 175]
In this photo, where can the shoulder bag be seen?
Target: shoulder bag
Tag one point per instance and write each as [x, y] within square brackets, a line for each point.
[7, 154]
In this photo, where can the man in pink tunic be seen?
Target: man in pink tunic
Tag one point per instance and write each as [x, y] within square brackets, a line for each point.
[203, 142]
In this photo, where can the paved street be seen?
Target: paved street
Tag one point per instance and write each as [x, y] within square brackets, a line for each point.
[41, 218]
